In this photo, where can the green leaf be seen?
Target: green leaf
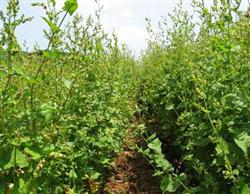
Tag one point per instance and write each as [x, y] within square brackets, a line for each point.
[17, 70]
[53, 2]
[72, 174]
[67, 83]
[51, 54]
[222, 147]
[243, 141]
[24, 186]
[158, 173]
[241, 188]
[34, 155]
[169, 184]
[3, 74]
[245, 189]
[25, 140]
[105, 161]
[53, 26]
[3, 55]
[38, 4]
[17, 159]
[48, 149]
[151, 137]
[14, 142]
[31, 80]
[70, 6]
[95, 175]
[155, 145]
[182, 177]
[163, 163]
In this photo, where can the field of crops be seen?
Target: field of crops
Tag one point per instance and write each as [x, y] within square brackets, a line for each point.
[66, 112]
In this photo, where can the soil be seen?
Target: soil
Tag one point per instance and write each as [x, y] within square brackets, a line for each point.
[132, 173]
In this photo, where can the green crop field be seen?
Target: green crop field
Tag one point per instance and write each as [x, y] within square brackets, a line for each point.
[67, 111]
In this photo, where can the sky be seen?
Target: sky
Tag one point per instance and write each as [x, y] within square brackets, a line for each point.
[125, 17]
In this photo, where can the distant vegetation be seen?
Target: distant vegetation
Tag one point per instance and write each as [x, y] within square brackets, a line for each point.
[65, 110]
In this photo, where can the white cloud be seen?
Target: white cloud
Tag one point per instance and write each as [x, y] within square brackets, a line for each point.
[131, 33]
[114, 17]
[127, 14]
[114, 4]
[125, 17]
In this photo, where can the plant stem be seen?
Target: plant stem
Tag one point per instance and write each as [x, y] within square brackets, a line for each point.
[32, 87]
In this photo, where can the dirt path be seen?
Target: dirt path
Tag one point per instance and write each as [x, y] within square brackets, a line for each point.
[132, 173]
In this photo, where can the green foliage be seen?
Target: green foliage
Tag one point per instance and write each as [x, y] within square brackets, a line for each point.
[65, 110]
[53, 26]
[195, 80]
[70, 6]
[243, 141]
[170, 181]
[16, 159]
